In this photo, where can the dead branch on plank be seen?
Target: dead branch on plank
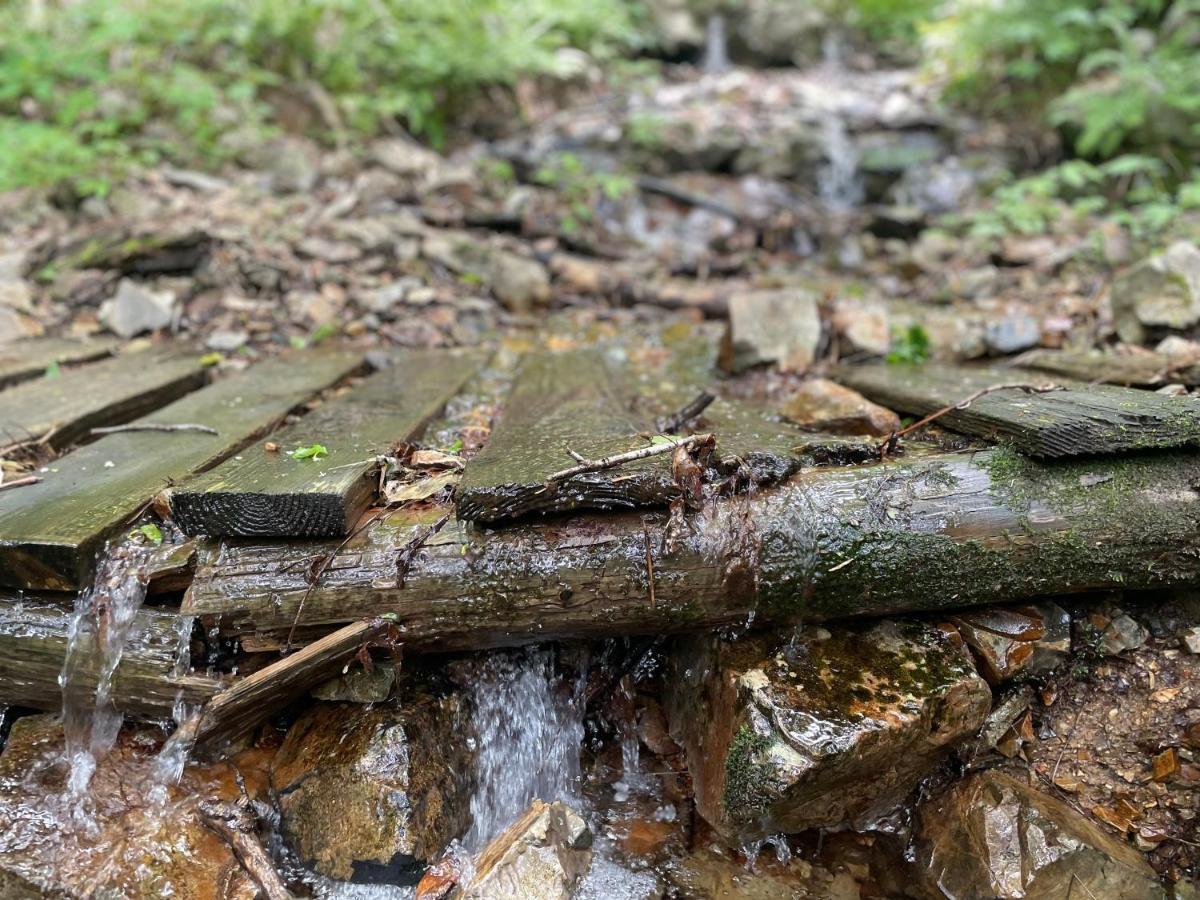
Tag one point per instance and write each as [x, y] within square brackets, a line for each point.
[663, 445]
[152, 426]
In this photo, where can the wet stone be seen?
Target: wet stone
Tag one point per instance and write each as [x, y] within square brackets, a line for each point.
[821, 405]
[1160, 293]
[373, 793]
[1011, 642]
[991, 835]
[781, 327]
[359, 685]
[831, 728]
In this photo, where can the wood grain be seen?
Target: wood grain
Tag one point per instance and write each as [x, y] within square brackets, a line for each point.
[22, 360]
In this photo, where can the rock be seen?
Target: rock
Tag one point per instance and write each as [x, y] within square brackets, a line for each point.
[134, 851]
[519, 283]
[1010, 642]
[903, 222]
[13, 265]
[991, 835]
[359, 685]
[135, 309]
[781, 326]
[1122, 633]
[541, 856]
[778, 32]
[405, 157]
[1012, 334]
[821, 405]
[583, 276]
[383, 299]
[372, 793]
[675, 25]
[291, 163]
[831, 728]
[226, 341]
[333, 252]
[16, 294]
[1160, 293]
[1189, 638]
[710, 872]
[863, 327]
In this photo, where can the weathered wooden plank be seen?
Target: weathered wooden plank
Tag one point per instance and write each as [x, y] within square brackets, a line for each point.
[50, 532]
[1078, 420]
[1105, 367]
[60, 410]
[33, 643]
[21, 360]
[270, 494]
[923, 533]
[576, 401]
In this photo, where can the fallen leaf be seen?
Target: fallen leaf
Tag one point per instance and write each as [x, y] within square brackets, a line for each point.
[1166, 764]
[434, 459]
[1165, 695]
[312, 451]
[414, 491]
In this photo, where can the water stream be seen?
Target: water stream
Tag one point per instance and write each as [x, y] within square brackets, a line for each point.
[529, 728]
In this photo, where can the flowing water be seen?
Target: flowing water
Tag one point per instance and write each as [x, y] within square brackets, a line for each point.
[529, 727]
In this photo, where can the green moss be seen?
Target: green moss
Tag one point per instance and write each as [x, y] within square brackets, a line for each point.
[748, 778]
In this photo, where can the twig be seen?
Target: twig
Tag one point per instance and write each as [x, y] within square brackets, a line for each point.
[689, 198]
[676, 422]
[404, 556]
[1044, 388]
[152, 426]
[665, 445]
[20, 482]
[232, 823]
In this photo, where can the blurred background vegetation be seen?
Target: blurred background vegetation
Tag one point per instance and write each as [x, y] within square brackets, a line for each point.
[1108, 92]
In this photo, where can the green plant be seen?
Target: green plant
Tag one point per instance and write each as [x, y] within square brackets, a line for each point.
[909, 346]
[582, 188]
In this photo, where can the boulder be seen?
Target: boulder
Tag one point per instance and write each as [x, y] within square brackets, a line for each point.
[373, 793]
[780, 326]
[1159, 294]
[828, 729]
[822, 405]
[116, 843]
[992, 835]
[135, 309]
[711, 872]
[541, 856]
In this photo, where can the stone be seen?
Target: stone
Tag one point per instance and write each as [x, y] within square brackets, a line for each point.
[711, 872]
[226, 341]
[519, 283]
[135, 309]
[134, 850]
[862, 327]
[778, 32]
[16, 294]
[15, 325]
[1160, 293]
[779, 326]
[1189, 638]
[822, 405]
[1122, 633]
[1011, 642]
[1012, 334]
[404, 157]
[903, 222]
[359, 685]
[991, 835]
[834, 727]
[374, 793]
[384, 299]
[13, 265]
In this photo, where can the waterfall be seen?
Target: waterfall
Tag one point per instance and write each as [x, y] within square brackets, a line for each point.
[529, 727]
[839, 182]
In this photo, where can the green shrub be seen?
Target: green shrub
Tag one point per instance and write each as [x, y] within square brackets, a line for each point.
[80, 90]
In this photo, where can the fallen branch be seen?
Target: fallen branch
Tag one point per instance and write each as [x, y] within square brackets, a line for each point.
[1043, 388]
[20, 482]
[233, 823]
[664, 445]
[151, 426]
[688, 198]
[675, 423]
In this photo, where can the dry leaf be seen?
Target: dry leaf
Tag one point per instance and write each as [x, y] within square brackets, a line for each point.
[413, 491]
[434, 459]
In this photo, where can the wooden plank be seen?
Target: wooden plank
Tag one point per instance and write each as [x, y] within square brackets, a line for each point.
[33, 643]
[576, 401]
[58, 411]
[51, 532]
[926, 533]
[270, 494]
[235, 711]
[1078, 420]
[21, 360]
[1105, 367]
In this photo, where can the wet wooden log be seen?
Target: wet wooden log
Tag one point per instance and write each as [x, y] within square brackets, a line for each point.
[1078, 420]
[58, 411]
[50, 532]
[1105, 367]
[569, 405]
[921, 534]
[22, 360]
[33, 644]
[264, 493]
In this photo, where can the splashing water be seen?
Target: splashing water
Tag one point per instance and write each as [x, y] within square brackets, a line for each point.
[839, 181]
[100, 628]
[529, 725]
[169, 764]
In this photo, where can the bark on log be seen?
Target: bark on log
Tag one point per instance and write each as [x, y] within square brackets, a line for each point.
[919, 534]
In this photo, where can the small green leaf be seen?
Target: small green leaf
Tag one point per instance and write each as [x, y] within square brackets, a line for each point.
[665, 439]
[52, 370]
[456, 447]
[322, 332]
[208, 360]
[298, 342]
[312, 451]
[152, 533]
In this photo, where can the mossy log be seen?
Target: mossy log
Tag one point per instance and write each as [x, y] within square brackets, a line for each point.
[1077, 420]
[33, 644]
[924, 533]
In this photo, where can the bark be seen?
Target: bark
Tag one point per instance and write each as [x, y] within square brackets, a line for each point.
[920, 534]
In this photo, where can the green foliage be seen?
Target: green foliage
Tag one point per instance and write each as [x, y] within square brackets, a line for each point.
[1113, 76]
[910, 346]
[149, 532]
[893, 21]
[80, 91]
[581, 187]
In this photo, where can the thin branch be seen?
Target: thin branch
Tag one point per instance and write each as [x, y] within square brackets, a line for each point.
[665, 445]
[20, 482]
[676, 422]
[1044, 388]
[152, 426]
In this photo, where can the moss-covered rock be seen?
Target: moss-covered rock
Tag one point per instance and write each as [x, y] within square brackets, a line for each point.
[831, 727]
[375, 792]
